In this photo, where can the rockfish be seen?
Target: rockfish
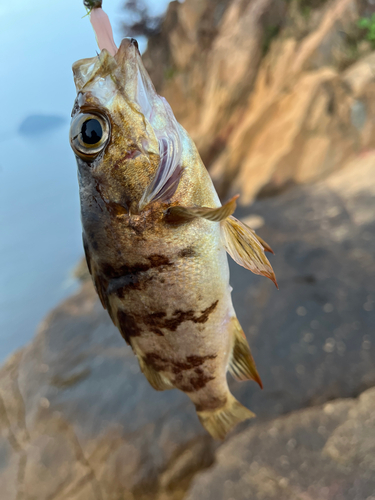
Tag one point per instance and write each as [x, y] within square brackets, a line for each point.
[156, 236]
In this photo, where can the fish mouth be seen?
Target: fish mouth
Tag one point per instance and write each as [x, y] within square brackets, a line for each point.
[105, 75]
[121, 67]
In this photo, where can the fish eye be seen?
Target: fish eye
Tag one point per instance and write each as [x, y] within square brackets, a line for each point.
[91, 131]
[88, 135]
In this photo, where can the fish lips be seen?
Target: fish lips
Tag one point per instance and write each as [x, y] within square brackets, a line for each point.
[124, 72]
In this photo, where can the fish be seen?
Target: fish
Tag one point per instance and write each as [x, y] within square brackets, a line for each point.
[156, 236]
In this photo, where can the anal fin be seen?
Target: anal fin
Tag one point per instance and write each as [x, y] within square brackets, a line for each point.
[183, 214]
[242, 364]
[155, 378]
[219, 422]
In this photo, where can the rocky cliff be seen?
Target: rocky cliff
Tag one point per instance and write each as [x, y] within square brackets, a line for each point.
[272, 92]
[278, 96]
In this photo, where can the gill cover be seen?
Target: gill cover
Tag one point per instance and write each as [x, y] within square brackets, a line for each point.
[160, 116]
[123, 71]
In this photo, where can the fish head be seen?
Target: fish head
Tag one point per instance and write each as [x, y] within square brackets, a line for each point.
[124, 135]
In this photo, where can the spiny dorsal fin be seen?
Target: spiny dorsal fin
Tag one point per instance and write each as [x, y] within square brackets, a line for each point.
[242, 364]
[244, 247]
[182, 214]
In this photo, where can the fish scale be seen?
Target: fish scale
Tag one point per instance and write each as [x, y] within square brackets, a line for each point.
[156, 236]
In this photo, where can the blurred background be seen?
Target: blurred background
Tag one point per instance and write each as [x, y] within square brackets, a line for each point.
[279, 96]
[39, 208]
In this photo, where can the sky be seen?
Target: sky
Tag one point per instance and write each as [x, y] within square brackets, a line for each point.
[40, 233]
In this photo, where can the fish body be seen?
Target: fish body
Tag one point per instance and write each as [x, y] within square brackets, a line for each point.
[156, 236]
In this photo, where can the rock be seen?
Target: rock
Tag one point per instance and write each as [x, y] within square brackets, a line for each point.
[324, 453]
[272, 96]
[79, 421]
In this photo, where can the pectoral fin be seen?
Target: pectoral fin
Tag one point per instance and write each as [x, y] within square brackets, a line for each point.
[242, 364]
[183, 214]
[265, 245]
[245, 248]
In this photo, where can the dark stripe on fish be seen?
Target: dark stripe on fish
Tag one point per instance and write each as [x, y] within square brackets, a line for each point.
[130, 277]
[159, 363]
[192, 383]
[128, 326]
[155, 260]
[187, 252]
[120, 286]
[159, 319]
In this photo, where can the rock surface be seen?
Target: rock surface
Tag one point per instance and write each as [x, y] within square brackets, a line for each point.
[271, 91]
[322, 453]
[79, 421]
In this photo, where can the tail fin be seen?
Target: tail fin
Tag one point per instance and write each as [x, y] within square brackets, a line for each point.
[219, 422]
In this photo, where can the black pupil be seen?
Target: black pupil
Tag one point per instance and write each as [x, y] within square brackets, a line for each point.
[91, 131]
